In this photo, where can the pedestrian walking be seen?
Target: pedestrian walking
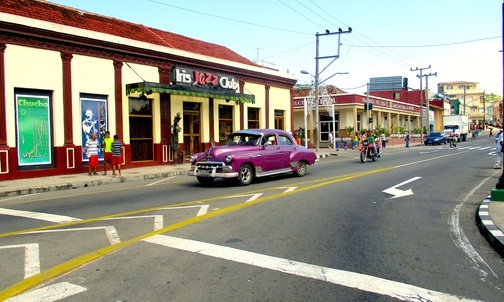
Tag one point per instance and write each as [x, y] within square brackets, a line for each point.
[498, 151]
[490, 134]
[116, 156]
[407, 139]
[107, 151]
[91, 151]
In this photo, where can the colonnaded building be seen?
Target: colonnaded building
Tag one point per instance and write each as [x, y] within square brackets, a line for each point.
[66, 74]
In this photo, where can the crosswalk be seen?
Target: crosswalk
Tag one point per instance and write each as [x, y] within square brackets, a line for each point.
[490, 149]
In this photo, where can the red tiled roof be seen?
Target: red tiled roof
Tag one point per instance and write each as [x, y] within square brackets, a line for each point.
[64, 15]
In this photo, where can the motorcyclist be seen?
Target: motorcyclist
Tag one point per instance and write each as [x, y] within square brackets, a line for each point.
[371, 140]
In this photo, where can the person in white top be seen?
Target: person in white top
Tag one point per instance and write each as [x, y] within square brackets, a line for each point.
[331, 140]
[498, 151]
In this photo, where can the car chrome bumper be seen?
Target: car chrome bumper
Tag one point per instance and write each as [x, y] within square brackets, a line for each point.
[212, 173]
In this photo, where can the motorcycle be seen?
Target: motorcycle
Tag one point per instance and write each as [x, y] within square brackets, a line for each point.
[453, 141]
[366, 152]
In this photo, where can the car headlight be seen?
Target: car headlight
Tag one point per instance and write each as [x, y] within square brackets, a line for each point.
[228, 158]
[192, 159]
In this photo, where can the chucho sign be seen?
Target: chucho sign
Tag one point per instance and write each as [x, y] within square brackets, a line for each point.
[203, 79]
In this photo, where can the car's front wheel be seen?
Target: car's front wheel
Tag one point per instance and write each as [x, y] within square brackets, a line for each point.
[301, 169]
[206, 181]
[245, 175]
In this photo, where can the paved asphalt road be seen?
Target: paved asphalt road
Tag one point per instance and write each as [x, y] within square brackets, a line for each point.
[334, 235]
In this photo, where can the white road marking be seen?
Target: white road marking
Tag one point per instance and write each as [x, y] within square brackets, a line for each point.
[19, 196]
[428, 159]
[202, 211]
[289, 189]
[398, 290]
[400, 193]
[32, 259]
[252, 196]
[459, 238]
[39, 216]
[49, 293]
[110, 231]
[158, 220]
[156, 182]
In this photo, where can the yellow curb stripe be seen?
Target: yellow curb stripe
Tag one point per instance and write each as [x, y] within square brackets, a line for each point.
[79, 261]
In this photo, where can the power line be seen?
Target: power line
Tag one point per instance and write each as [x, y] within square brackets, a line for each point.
[229, 19]
[432, 45]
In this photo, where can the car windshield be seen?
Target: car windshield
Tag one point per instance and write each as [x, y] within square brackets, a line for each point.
[243, 139]
[435, 134]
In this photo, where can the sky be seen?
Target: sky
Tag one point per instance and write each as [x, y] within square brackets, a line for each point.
[460, 40]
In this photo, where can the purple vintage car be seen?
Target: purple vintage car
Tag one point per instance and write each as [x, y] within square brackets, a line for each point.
[252, 153]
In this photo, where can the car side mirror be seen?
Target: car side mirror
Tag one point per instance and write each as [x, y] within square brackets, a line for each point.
[267, 143]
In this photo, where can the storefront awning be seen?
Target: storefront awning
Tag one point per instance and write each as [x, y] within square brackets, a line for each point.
[150, 87]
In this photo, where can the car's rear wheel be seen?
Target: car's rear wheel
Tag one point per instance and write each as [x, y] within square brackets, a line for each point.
[245, 175]
[301, 169]
[206, 181]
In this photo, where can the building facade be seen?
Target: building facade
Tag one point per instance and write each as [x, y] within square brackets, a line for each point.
[467, 99]
[65, 74]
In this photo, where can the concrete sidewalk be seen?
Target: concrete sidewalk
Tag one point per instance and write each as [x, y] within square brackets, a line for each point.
[490, 215]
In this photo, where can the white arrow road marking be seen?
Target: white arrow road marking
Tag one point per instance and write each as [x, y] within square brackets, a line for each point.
[32, 260]
[49, 293]
[39, 216]
[252, 196]
[398, 290]
[400, 193]
[110, 231]
[158, 220]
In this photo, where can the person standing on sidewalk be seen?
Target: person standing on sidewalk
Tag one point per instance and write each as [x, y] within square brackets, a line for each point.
[331, 139]
[91, 151]
[407, 139]
[383, 140]
[116, 156]
[498, 151]
[107, 151]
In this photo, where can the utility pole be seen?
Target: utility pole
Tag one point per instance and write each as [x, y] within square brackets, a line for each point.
[317, 58]
[421, 98]
[428, 105]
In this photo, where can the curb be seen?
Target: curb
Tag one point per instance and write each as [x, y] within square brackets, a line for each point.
[88, 183]
[493, 234]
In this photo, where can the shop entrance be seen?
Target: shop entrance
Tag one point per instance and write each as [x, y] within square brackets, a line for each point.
[192, 128]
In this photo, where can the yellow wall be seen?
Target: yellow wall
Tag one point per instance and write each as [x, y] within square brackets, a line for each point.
[34, 69]
[279, 99]
[259, 91]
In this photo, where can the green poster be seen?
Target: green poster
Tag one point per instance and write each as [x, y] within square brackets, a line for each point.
[33, 130]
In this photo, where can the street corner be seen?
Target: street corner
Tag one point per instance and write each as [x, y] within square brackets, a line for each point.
[488, 228]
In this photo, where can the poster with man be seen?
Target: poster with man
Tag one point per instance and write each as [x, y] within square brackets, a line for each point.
[94, 121]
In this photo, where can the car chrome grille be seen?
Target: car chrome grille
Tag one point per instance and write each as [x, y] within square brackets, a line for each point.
[210, 165]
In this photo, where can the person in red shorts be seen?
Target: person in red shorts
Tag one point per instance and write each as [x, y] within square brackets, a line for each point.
[91, 151]
[116, 156]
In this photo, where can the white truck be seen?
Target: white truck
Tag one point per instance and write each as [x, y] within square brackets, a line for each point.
[459, 123]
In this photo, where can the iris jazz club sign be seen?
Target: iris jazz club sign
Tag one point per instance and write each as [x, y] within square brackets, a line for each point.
[203, 79]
